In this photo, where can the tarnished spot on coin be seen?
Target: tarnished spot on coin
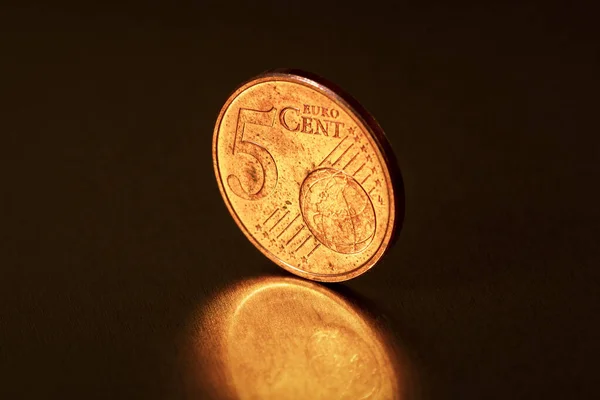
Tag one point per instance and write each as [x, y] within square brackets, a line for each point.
[303, 171]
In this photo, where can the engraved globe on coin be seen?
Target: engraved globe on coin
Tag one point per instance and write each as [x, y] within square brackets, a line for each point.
[337, 210]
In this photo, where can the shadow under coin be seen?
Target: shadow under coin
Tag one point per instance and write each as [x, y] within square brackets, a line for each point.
[286, 338]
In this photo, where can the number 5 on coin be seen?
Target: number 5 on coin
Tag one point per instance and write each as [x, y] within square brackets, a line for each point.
[263, 176]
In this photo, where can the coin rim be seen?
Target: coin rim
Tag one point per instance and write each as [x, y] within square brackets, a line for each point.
[376, 136]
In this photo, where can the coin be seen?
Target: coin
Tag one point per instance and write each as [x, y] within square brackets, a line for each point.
[307, 175]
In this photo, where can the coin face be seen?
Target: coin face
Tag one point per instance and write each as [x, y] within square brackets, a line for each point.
[303, 171]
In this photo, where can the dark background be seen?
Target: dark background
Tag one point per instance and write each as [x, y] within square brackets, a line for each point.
[114, 233]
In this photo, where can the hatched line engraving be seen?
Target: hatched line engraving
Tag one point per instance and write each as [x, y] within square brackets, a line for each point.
[279, 220]
[350, 162]
[364, 180]
[369, 192]
[288, 225]
[271, 216]
[313, 250]
[359, 169]
[343, 154]
[334, 149]
[303, 242]
[295, 234]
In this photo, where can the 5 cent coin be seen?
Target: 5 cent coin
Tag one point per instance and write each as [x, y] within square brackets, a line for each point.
[307, 175]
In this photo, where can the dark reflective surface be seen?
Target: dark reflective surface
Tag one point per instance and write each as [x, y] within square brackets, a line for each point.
[113, 235]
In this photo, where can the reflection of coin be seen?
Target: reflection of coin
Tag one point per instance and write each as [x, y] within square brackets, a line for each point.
[335, 355]
[314, 346]
[303, 171]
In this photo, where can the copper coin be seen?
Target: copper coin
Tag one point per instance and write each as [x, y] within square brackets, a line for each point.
[306, 174]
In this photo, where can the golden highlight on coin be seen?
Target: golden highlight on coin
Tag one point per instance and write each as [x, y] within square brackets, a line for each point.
[306, 174]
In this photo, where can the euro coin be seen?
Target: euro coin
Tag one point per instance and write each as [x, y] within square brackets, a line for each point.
[307, 175]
